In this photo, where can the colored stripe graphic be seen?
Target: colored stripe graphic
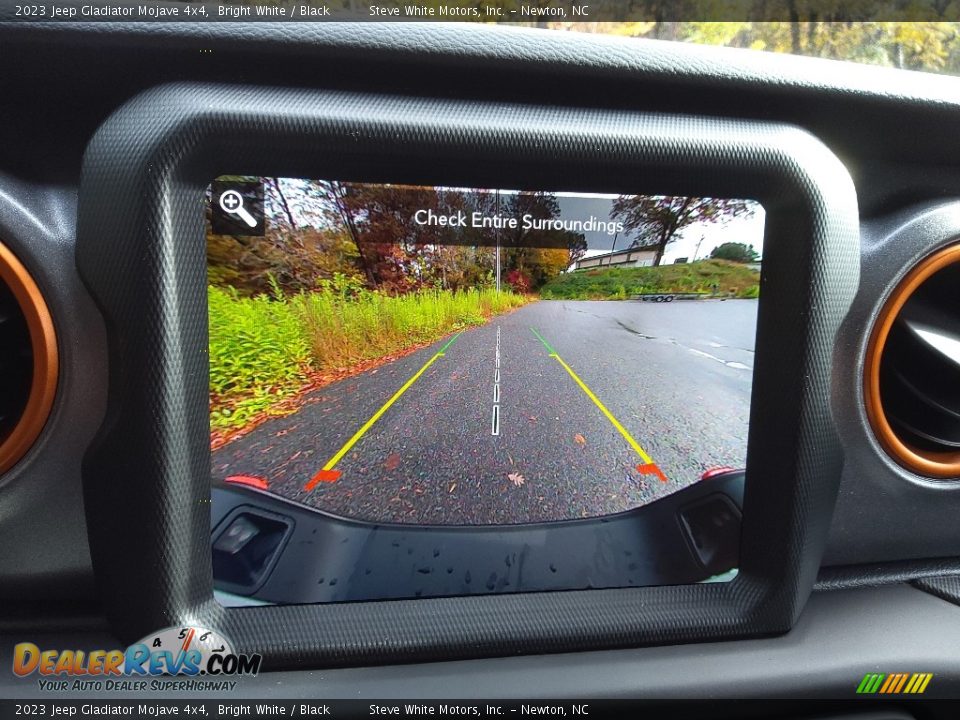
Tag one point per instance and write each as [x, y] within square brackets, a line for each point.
[647, 467]
[900, 683]
[327, 473]
[890, 682]
[894, 684]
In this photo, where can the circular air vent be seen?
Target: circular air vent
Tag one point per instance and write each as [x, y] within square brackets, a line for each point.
[28, 361]
[912, 373]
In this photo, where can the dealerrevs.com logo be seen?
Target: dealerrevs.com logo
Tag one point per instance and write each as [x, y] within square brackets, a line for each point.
[176, 658]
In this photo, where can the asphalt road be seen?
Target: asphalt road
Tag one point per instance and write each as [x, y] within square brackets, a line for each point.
[675, 376]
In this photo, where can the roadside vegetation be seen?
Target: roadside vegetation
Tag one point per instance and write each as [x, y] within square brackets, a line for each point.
[721, 277]
[267, 348]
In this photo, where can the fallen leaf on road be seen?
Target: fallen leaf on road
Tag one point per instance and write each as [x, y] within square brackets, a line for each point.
[392, 461]
[580, 439]
[516, 478]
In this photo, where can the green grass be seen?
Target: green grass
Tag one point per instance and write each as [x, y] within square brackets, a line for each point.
[263, 349]
[621, 283]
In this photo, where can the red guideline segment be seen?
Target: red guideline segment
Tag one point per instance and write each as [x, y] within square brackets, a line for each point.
[322, 476]
[651, 469]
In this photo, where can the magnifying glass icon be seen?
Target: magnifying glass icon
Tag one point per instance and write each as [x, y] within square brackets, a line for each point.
[231, 202]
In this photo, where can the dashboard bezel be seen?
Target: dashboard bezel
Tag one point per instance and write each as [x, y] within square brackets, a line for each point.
[141, 252]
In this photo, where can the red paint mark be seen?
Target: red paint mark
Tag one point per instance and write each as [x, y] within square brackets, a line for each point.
[652, 469]
[249, 480]
[322, 476]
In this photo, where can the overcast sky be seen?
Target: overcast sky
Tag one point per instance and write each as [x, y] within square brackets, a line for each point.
[747, 230]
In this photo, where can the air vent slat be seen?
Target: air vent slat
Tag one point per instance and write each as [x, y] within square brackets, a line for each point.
[929, 313]
[927, 372]
[916, 396]
[922, 439]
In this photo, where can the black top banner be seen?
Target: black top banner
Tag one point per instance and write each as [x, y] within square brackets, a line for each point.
[537, 13]
[587, 709]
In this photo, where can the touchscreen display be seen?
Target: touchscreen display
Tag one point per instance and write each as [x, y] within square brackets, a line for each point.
[456, 358]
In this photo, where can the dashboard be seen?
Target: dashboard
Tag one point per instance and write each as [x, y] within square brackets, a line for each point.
[488, 507]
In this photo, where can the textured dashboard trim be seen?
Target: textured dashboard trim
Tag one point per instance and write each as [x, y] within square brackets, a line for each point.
[844, 577]
[141, 251]
[945, 587]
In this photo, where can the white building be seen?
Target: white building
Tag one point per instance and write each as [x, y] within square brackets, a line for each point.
[631, 257]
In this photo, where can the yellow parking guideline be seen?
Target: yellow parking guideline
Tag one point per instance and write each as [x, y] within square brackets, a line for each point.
[327, 473]
[603, 408]
[649, 467]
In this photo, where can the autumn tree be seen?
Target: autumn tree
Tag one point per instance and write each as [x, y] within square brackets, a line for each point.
[291, 254]
[656, 219]
[538, 254]
[577, 247]
[848, 30]
[464, 256]
[735, 252]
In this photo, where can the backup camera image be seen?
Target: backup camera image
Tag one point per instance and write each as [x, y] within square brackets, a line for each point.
[451, 356]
